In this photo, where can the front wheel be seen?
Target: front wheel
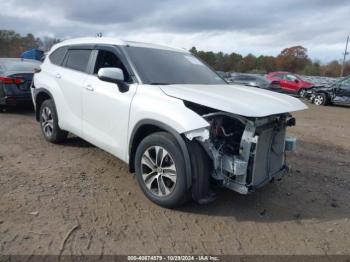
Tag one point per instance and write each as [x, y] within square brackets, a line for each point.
[320, 99]
[49, 123]
[160, 170]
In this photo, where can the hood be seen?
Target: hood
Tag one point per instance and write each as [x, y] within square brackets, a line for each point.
[236, 99]
[323, 88]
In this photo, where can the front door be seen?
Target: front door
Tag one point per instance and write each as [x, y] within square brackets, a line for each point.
[105, 108]
[290, 83]
[342, 92]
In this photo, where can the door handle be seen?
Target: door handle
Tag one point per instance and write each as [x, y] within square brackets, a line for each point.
[58, 76]
[89, 88]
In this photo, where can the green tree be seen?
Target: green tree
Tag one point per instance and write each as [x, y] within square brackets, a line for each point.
[249, 63]
[13, 44]
[331, 69]
[193, 50]
[235, 62]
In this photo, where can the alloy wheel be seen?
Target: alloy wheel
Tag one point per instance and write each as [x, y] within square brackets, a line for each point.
[302, 93]
[318, 100]
[158, 171]
[47, 121]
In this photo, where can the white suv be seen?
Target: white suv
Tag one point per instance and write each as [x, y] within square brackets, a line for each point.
[179, 126]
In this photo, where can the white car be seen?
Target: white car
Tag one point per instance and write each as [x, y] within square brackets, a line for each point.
[179, 126]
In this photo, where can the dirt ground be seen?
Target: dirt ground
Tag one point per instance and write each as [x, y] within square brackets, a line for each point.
[76, 199]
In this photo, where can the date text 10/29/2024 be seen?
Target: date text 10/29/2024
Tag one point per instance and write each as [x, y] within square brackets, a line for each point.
[173, 258]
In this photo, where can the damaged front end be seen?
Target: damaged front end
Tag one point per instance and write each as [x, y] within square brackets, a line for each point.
[246, 152]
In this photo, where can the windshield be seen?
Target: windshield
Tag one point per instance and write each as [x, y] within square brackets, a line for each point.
[165, 67]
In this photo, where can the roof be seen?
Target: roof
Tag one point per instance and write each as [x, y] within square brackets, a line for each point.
[115, 41]
[280, 72]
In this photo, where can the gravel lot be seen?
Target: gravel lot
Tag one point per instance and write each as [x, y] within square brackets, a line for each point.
[76, 199]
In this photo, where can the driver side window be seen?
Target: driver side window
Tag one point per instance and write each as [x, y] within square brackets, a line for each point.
[109, 59]
[290, 78]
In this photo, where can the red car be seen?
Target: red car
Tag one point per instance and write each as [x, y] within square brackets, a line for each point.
[289, 83]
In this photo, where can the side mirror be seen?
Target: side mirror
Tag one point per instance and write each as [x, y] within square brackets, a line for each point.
[296, 81]
[113, 75]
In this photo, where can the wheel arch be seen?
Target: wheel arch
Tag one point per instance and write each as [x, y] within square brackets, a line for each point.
[328, 95]
[41, 94]
[148, 126]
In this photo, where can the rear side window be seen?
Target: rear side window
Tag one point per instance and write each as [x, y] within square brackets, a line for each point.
[78, 59]
[58, 55]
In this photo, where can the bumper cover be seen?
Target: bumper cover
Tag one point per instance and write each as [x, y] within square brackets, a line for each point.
[15, 100]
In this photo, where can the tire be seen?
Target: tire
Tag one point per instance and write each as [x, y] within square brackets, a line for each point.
[160, 170]
[49, 123]
[320, 99]
[202, 181]
[302, 92]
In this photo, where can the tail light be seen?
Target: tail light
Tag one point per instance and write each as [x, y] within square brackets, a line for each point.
[10, 80]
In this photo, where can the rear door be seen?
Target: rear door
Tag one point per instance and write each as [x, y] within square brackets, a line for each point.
[105, 108]
[277, 83]
[71, 78]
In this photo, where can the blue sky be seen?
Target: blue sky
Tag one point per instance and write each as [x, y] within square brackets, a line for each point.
[258, 27]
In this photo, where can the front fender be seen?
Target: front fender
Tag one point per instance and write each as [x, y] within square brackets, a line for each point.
[151, 106]
[151, 103]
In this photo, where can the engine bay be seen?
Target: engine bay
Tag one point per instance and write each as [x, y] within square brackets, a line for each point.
[246, 152]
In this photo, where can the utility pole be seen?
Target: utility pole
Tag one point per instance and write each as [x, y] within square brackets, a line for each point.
[344, 59]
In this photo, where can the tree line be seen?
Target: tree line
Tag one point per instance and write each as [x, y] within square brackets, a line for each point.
[13, 44]
[293, 59]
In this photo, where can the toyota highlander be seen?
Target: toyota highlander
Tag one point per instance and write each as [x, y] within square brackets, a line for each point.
[180, 127]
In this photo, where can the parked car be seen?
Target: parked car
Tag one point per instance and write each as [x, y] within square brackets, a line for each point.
[338, 93]
[15, 78]
[224, 75]
[251, 80]
[169, 116]
[290, 83]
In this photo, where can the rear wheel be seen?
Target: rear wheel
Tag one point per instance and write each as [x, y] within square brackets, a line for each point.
[160, 170]
[320, 99]
[302, 92]
[49, 123]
